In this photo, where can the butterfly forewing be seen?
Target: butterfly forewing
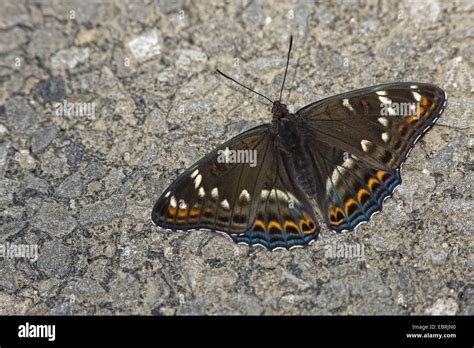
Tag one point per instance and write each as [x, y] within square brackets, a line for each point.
[199, 198]
[357, 142]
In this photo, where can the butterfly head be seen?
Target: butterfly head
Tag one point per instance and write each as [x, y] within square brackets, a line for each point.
[279, 110]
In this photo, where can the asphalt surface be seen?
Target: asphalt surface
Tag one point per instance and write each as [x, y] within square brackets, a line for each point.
[103, 104]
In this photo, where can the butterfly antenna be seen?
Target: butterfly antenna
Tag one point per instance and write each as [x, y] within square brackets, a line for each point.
[237, 82]
[286, 69]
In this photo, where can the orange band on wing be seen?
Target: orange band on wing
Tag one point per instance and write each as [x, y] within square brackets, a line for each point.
[371, 183]
[291, 225]
[333, 215]
[381, 175]
[307, 225]
[274, 224]
[348, 204]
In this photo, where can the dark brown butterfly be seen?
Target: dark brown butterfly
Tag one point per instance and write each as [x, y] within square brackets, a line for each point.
[344, 153]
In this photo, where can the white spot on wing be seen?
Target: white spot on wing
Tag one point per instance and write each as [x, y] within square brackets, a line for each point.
[173, 202]
[225, 204]
[348, 163]
[193, 174]
[281, 196]
[381, 92]
[416, 95]
[385, 100]
[365, 144]
[385, 137]
[336, 174]
[383, 121]
[167, 194]
[201, 192]
[328, 185]
[182, 204]
[244, 195]
[345, 103]
[197, 181]
[215, 192]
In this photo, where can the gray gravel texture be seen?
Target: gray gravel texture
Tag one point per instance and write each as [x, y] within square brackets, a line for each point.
[80, 185]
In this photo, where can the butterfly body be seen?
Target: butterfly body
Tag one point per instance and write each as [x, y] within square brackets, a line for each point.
[344, 153]
[291, 139]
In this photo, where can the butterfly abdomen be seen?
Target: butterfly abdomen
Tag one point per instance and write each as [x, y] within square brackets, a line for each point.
[296, 156]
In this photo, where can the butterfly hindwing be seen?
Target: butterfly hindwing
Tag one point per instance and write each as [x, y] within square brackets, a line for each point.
[283, 217]
[253, 203]
[352, 190]
[358, 142]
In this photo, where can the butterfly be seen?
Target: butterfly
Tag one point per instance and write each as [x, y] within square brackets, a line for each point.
[343, 154]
